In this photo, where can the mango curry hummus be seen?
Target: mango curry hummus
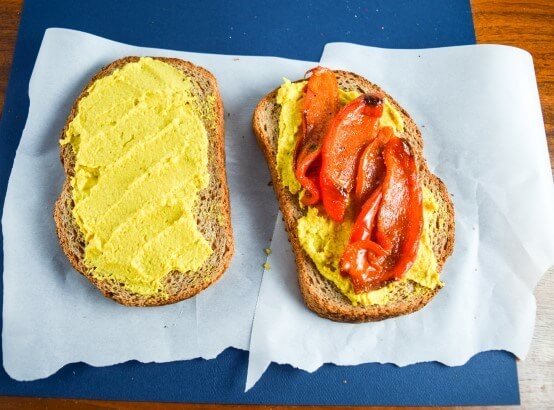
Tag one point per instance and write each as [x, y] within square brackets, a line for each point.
[141, 151]
[366, 217]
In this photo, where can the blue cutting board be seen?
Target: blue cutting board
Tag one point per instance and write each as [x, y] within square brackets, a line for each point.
[296, 30]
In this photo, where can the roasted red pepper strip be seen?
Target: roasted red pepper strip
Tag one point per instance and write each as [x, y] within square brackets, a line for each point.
[363, 262]
[365, 222]
[363, 259]
[384, 243]
[400, 218]
[355, 125]
[319, 105]
[371, 168]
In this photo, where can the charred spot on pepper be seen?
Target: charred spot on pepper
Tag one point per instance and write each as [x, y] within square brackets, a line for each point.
[373, 99]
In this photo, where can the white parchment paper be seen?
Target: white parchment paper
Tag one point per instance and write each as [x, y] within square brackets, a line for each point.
[52, 316]
[480, 115]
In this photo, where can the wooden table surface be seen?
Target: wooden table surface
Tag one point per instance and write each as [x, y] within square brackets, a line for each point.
[528, 24]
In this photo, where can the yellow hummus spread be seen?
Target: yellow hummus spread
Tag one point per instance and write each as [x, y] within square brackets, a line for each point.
[141, 158]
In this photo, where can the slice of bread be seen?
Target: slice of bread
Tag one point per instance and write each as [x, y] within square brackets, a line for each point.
[214, 226]
[321, 295]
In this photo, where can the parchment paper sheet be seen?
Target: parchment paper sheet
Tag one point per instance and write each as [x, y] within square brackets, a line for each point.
[479, 113]
[53, 316]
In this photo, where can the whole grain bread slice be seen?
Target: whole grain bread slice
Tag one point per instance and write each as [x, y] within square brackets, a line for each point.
[213, 208]
[321, 295]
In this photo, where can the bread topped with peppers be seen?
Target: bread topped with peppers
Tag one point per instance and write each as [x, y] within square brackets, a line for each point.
[370, 226]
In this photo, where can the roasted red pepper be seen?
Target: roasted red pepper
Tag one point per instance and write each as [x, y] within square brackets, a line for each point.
[365, 222]
[371, 168]
[363, 262]
[319, 105]
[355, 125]
[384, 243]
[400, 218]
[337, 152]
[363, 259]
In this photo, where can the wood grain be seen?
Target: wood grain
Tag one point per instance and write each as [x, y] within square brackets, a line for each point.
[530, 25]
[10, 11]
[9, 403]
[526, 24]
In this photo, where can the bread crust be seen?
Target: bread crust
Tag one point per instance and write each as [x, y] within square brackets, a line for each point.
[178, 285]
[319, 294]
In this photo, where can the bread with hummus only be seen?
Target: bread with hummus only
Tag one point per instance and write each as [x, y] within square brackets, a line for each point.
[323, 289]
[144, 211]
